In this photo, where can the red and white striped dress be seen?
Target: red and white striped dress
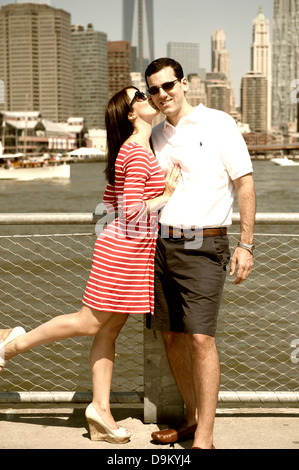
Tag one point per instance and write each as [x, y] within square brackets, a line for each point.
[122, 273]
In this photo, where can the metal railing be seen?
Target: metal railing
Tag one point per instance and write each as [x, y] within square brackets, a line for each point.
[43, 275]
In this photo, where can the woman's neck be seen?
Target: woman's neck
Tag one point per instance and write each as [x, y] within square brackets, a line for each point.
[142, 136]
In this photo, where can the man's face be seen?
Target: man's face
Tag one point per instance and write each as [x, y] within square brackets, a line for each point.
[168, 102]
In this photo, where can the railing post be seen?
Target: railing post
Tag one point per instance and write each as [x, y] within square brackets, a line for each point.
[162, 400]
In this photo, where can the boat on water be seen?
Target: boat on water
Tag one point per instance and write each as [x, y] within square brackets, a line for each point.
[284, 161]
[15, 167]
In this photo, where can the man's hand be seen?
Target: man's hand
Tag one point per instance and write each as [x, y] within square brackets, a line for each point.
[242, 260]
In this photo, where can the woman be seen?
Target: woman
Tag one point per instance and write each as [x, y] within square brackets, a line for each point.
[123, 260]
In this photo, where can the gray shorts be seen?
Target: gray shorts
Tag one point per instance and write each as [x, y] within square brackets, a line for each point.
[188, 285]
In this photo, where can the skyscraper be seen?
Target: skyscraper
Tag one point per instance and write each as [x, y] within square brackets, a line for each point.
[119, 66]
[219, 95]
[90, 71]
[187, 54]
[254, 101]
[261, 55]
[36, 60]
[128, 26]
[285, 60]
[218, 46]
[221, 66]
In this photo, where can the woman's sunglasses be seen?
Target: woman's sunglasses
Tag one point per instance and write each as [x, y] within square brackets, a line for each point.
[139, 96]
[167, 86]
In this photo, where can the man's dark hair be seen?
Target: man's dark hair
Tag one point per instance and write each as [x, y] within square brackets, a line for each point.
[159, 64]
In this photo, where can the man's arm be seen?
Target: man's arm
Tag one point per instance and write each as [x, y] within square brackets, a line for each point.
[242, 259]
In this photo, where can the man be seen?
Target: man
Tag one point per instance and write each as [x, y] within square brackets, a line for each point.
[192, 248]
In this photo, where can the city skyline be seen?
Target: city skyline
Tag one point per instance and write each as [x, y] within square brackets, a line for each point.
[174, 21]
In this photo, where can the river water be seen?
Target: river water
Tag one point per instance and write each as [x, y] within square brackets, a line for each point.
[257, 324]
[277, 190]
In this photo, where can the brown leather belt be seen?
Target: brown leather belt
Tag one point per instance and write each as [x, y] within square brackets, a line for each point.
[174, 232]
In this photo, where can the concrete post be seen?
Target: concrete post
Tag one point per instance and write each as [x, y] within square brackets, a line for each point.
[162, 400]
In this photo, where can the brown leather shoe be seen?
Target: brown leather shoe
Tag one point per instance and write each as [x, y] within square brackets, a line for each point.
[201, 447]
[172, 435]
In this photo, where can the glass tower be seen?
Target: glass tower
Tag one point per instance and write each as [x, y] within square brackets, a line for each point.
[285, 60]
[36, 59]
[90, 72]
[187, 54]
[128, 24]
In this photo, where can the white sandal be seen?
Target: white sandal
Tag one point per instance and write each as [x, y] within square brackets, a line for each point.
[99, 431]
[18, 331]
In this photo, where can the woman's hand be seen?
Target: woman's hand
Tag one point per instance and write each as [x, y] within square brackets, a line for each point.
[172, 178]
[171, 181]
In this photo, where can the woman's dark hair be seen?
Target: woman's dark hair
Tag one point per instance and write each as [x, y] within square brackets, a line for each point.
[118, 128]
[159, 64]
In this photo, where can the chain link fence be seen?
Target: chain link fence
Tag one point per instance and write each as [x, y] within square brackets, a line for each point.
[45, 275]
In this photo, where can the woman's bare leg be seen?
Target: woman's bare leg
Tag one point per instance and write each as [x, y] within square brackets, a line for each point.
[86, 322]
[101, 364]
[104, 326]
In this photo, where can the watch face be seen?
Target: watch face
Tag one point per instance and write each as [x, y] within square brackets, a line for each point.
[249, 248]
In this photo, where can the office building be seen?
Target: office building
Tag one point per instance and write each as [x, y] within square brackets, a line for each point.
[285, 64]
[221, 66]
[219, 95]
[119, 66]
[197, 91]
[36, 68]
[254, 101]
[145, 10]
[90, 72]
[187, 54]
[261, 55]
[220, 56]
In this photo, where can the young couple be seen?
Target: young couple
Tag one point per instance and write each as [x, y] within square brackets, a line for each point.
[187, 169]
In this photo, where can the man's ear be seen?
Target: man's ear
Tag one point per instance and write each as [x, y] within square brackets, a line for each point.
[185, 84]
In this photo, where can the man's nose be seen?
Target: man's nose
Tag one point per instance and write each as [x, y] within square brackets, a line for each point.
[162, 93]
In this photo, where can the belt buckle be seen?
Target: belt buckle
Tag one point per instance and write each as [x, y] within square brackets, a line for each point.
[176, 232]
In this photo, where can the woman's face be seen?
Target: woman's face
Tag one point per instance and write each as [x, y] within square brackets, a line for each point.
[141, 106]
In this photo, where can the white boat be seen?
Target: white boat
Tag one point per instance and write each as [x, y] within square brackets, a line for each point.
[284, 161]
[43, 172]
[15, 167]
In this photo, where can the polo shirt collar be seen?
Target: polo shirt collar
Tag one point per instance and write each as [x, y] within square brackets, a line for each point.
[191, 117]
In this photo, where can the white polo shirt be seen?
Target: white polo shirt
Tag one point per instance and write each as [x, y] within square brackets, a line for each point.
[211, 152]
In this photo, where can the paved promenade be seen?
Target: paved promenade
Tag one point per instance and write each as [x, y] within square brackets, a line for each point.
[65, 428]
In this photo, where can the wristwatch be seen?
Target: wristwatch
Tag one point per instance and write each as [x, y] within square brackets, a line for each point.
[249, 248]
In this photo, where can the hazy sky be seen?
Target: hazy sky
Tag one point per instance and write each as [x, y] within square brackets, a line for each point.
[181, 20]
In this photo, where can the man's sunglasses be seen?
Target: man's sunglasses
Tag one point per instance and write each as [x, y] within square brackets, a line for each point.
[167, 86]
[139, 96]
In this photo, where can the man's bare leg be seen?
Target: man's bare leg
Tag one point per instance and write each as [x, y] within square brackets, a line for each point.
[180, 363]
[206, 380]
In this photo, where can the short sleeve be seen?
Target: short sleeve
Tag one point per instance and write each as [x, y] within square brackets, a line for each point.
[234, 152]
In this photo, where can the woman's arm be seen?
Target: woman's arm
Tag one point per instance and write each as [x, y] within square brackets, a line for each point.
[137, 172]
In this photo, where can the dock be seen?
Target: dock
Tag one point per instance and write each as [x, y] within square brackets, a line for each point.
[42, 427]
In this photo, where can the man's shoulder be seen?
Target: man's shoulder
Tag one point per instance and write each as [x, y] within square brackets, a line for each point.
[213, 113]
